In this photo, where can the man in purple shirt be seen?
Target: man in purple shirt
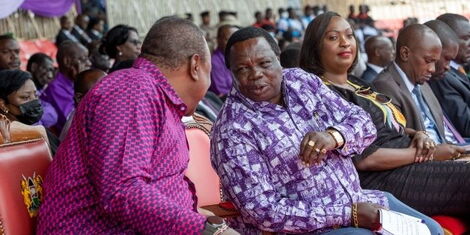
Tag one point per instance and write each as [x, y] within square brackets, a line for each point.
[72, 58]
[221, 77]
[282, 146]
[120, 170]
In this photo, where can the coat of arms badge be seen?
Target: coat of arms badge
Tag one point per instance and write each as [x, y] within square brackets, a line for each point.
[31, 188]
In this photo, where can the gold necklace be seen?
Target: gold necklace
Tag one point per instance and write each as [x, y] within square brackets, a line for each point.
[345, 86]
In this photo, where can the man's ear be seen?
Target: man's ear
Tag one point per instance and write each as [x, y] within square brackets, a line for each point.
[404, 53]
[195, 66]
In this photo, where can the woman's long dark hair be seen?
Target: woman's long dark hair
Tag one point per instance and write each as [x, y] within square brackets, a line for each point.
[310, 54]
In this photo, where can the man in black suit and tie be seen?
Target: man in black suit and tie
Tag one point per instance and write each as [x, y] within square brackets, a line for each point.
[78, 30]
[453, 88]
[380, 53]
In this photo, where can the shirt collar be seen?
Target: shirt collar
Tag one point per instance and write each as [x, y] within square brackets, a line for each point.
[454, 65]
[403, 76]
[162, 81]
[376, 68]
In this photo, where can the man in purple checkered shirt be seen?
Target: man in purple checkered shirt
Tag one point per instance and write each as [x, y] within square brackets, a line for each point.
[121, 168]
[282, 146]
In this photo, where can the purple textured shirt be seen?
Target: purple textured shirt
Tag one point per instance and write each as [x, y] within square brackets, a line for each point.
[59, 93]
[255, 150]
[49, 117]
[221, 77]
[120, 170]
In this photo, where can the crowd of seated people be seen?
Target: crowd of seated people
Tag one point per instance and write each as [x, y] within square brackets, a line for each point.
[319, 122]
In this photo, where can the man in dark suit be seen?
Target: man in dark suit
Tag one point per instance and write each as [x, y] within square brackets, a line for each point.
[65, 33]
[460, 25]
[418, 50]
[78, 30]
[380, 54]
[453, 88]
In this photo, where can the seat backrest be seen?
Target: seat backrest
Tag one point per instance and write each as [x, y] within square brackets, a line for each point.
[200, 170]
[23, 166]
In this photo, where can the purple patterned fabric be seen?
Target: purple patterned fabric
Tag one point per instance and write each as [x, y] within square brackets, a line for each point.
[121, 167]
[221, 77]
[255, 150]
[48, 8]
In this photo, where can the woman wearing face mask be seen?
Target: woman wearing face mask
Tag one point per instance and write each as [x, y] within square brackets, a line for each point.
[19, 102]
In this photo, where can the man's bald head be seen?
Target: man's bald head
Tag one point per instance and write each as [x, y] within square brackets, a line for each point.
[418, 50]
[379, 50]
[72, 58]
[85, 81]
[461, 27]
[172, 41]
[450, 46]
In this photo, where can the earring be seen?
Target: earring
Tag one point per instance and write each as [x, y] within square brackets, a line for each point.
[120, 53]
[5, 110]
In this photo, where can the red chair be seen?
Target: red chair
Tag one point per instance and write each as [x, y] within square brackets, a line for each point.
[451, 225]
[23, 166]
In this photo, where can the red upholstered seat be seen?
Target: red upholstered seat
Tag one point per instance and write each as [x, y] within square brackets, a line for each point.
[23, 166]
[452, 225]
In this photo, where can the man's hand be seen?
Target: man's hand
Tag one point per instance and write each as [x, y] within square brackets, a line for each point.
[448, 151]
[424, 145]
[368, 215]
[314, 146]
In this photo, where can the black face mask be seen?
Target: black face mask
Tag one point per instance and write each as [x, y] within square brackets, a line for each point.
[31, 112]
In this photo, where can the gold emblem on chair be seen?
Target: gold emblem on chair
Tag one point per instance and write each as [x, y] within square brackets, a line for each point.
[31, 188]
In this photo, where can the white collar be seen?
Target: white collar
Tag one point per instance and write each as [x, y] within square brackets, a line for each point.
[376, 68]
[454, 65]
[403, 76]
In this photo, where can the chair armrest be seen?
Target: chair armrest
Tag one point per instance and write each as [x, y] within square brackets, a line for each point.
[221, 212]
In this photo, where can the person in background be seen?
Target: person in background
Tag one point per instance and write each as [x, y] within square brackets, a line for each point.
[98, 59]
[258, 19]
[268, 18]
[352, 15]
[72, 58]
[221, 78]
[208, 29]
[42, 70]
[65, 32]
[113, 174]
[121, 43]
[9, 52]
[291, 25]
[80, 27]
[83, 83]
[95, 29]
[405, 81]
[453, 90]
[19, 102]
[404, 164]
[380, 53]
[283, 147]
[308, 16]
[189, 16]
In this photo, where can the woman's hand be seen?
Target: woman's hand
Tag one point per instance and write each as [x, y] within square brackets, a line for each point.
[424, 145]
[448, 151]
[314, 147]
[368, 215]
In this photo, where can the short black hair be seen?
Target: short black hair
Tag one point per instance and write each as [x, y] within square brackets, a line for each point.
[444, 32]
[93, 21]
[37, 58]
[452, 19]
[249, 33]
[11, 80]
[173, 40]
[116, 36]
[205, 13]
[66, 49]
[310, 53]
[290, 56]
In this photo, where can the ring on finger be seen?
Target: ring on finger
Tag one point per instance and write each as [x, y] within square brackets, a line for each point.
[311, 143]
[317, 150]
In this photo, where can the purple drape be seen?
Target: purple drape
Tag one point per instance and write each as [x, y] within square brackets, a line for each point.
[48, 8]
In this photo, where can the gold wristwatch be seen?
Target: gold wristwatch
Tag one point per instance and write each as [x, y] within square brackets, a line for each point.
[337, 136]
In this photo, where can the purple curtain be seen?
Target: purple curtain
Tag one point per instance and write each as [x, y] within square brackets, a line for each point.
[48, 8]
[8, 7]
